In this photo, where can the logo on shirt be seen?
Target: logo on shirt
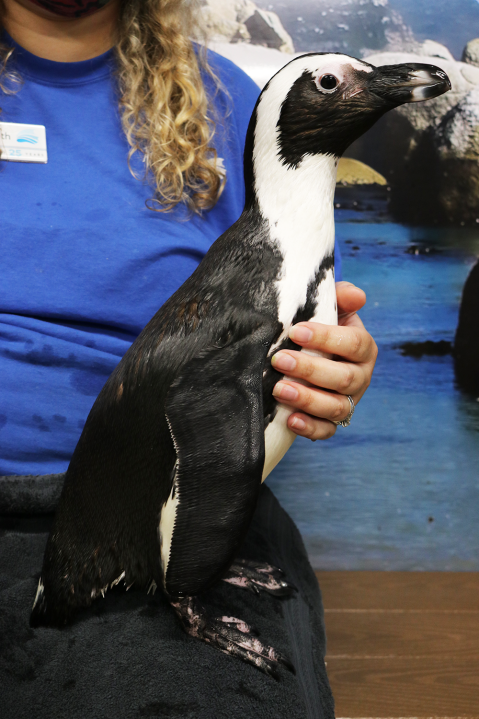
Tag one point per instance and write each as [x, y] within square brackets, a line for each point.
[31, 139]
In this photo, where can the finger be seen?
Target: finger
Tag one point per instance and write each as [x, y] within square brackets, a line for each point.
[350, 298]
[353, 343]
[313, 401]
[351, 319]
[342, 377]
[311, 427]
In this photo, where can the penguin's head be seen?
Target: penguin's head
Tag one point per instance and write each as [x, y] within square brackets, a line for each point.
[321, 102]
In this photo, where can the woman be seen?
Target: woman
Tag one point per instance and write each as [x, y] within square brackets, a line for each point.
[95, 240]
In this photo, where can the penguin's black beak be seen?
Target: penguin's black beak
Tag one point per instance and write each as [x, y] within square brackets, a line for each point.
[410, 82]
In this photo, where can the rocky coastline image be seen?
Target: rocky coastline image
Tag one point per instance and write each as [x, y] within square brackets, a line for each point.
[428, 152]
[398, 488]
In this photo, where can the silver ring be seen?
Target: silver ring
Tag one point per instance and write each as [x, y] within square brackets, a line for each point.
[347, 420]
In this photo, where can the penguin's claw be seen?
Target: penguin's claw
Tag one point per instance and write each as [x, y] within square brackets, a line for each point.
[256, 577]
[231, 636]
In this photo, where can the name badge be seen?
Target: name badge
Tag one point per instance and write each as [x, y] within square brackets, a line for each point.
[23, 143]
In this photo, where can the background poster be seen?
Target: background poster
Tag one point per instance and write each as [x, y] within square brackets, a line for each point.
[399, 488]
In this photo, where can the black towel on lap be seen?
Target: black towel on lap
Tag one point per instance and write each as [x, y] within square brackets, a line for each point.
[128, 657]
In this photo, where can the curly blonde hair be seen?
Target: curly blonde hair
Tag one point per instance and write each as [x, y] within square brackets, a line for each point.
[165, 111]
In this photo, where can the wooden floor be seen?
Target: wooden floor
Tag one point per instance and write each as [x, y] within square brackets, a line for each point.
[403, 644]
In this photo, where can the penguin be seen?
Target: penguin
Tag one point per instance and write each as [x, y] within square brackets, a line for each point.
[163, 483]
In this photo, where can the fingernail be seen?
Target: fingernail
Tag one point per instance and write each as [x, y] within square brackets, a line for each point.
[299, 333]
[298, 424]
[284, 361]
[285, 391]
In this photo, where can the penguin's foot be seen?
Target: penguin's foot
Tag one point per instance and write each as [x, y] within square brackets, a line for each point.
[256, 577]
[231, 636]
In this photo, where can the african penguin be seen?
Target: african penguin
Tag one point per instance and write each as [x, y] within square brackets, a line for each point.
[164, 480]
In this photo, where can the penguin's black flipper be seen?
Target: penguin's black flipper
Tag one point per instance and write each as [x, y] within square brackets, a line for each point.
[231, 636]
[215, 412]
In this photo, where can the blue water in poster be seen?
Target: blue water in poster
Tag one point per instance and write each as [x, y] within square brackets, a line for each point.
[399, 488]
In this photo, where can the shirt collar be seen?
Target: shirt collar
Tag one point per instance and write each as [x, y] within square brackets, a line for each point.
[58, 73]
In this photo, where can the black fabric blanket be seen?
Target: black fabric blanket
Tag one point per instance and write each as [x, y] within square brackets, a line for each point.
[128, 657]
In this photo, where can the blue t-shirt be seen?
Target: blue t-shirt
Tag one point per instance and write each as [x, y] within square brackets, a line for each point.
[84, 263]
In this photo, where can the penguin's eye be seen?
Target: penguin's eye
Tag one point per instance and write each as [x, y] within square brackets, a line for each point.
[328, 83]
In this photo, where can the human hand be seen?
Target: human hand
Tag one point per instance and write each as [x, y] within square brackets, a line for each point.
[349, 371]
